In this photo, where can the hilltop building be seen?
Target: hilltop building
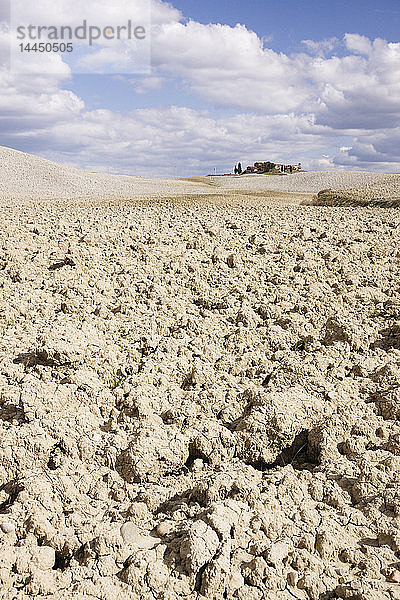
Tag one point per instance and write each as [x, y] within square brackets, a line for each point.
[273, 168]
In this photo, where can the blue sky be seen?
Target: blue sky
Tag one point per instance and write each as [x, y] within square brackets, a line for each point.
[304, 80]
[291, 21]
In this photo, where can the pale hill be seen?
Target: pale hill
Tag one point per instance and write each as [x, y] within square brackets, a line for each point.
[312, 182]
[27, 176]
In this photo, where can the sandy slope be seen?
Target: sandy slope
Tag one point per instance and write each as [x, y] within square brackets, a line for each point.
[30, 177]
[199, 399]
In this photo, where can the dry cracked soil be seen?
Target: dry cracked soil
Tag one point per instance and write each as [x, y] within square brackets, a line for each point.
[199, 399]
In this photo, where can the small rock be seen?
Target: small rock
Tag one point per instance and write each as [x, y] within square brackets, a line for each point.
[198, 465]
[292, 578]
[199, 547]
[7, 527]
[154, 449]
[132, 535]
[235, 581]
[44, 556]
[130, 532]
[306, 234]
[324, 544]
[255, 524]
[394, 577]
[277, 552]
[164, 528]
[230, 261]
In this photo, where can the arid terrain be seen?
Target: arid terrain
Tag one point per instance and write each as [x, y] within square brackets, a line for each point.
[199, 387]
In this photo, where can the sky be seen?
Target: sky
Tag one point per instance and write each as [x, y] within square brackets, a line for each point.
[307, 81]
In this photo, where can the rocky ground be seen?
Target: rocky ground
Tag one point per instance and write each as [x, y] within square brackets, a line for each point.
[199, 399]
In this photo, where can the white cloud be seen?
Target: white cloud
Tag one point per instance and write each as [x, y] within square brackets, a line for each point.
[192, 139]
[359, 44]
[373, 150]
[116, 57]
[327, 111]
[144, 85]
[97, 12]
[360, 92]
[164, 12]
[229, 66]
[322, 47]
[102, 55]
[29, 103]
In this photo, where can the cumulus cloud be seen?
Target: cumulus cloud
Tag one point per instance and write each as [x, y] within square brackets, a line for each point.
[321, 47]
[115, 58]
[191, 139]
[377, 150]
[360, 91]
[315, 106]
[359, 44]
[144, 85]
[31, 101]
[229, 66]
[95, 53]
[101, 12]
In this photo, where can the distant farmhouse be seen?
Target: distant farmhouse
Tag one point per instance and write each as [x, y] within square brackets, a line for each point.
[273, 168]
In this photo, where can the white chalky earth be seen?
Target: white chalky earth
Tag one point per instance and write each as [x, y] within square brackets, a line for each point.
[199, 388]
